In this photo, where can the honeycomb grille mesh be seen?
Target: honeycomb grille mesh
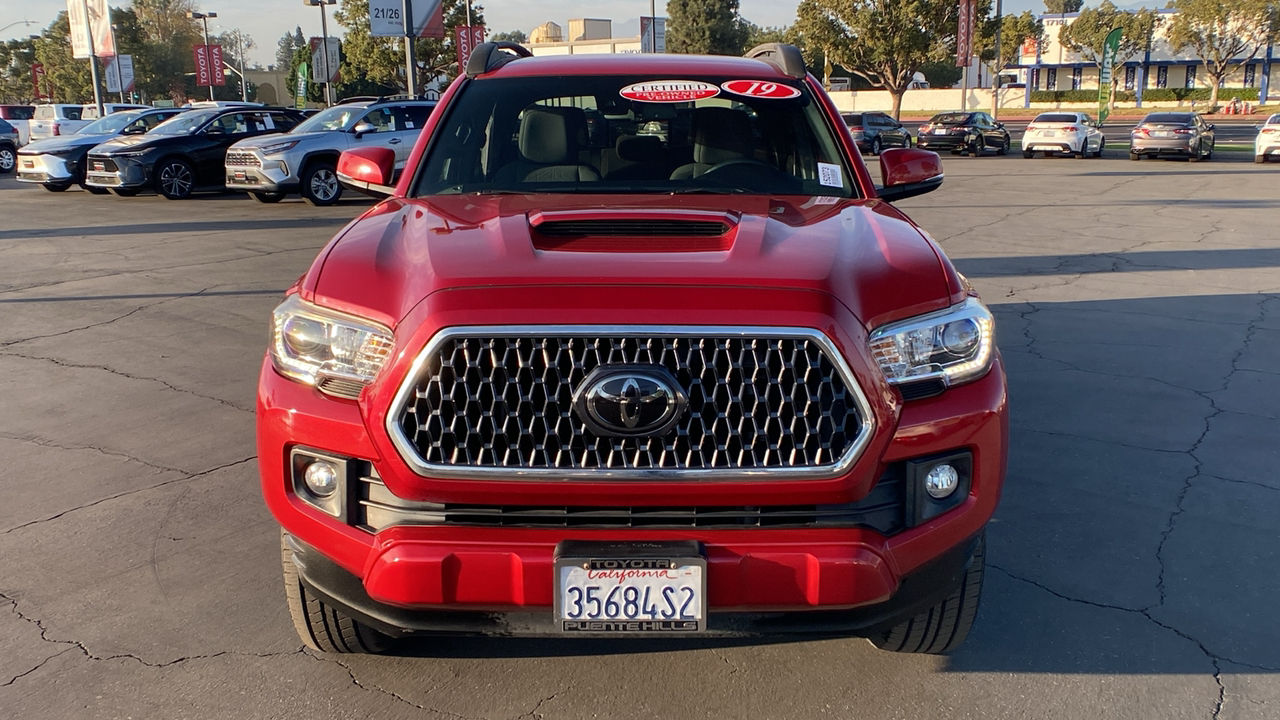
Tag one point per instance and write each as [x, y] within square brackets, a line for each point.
[754, 403]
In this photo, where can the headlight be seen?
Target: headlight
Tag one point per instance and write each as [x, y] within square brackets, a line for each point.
[309, 343]
[130, 154]
[277, 148]
[954, 345]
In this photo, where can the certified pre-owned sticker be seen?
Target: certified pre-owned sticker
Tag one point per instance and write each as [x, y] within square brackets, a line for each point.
[761, 89]
[669, 91]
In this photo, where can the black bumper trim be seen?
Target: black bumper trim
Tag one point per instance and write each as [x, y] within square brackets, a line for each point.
[917, 592]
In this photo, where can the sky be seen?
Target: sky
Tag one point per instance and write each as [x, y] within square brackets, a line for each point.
[267, 20]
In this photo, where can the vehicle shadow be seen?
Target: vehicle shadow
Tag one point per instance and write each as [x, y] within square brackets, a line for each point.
[175, 227]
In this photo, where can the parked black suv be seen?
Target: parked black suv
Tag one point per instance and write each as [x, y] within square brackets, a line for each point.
[182, 154]
[875, 131]
[964, 132]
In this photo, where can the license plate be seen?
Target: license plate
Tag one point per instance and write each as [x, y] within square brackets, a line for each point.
[1161, 133]
[239, 175]
[632, 588]
[1049, 133]
[941, 131]
[99, 167]
[28, 163]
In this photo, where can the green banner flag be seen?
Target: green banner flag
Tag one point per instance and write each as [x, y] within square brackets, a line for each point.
[1109, 50]
[300, 91]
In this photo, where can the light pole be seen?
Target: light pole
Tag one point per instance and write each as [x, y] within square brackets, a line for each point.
[204, 18]
[653, 27]
[93, 59]
[20, 22]
[240, 48]
[324, 47]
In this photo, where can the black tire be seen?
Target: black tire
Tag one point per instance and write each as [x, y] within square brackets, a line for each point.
[876, 146]
[267, 197]
[1101, 144]
[320, 185]
[943, 627]
[976, 148]
[1260, 159]
[175, 179]
[1084, 149]
[124, 192]
[8, 159]
[319, 626]
[94, 190]
[1028, 154]
[55, 187]
[1209, 155]
[1004, 149]
[1134, 156]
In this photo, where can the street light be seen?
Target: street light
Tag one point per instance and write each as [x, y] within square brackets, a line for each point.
[324, 47]
[240, 48]
[20, 22]
[205, 18]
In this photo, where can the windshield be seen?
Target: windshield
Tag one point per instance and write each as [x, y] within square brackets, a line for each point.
[629, 135]
[184, 123]
[951, 119]
[1055, 118]
[112, 123]
[338, 117]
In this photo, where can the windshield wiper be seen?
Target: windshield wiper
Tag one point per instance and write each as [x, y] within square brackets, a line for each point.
[712, 191]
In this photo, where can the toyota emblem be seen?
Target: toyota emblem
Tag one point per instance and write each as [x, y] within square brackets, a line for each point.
[629, 401]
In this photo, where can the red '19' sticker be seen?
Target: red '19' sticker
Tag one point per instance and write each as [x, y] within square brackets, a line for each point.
[669, 91]
[761, 89]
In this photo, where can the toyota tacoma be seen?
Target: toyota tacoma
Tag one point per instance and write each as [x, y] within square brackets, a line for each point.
[633, 346]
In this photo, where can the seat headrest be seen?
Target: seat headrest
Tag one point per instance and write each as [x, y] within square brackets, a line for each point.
[721, 134]
[639, 148]
[550, 136]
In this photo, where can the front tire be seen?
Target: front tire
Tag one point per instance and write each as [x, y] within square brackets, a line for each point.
[175, 179]
[319, 626]
[1004, 149]
[320, 185]
[1260, 159]
[943, 627]
[8, 160]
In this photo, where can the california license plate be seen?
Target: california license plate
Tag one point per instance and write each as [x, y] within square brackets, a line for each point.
[941, 131]
[630, 588]
[239, 175]
[1161, 133]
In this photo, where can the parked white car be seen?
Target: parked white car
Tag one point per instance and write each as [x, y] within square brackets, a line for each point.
[59, 119]
[1066, 133]
[1267, 145]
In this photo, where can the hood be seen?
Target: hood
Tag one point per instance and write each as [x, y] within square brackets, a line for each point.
[64, 142]
[862, 252]
[131, 142]
[265, 140]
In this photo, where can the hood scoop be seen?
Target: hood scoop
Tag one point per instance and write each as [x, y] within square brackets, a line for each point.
[632, 231]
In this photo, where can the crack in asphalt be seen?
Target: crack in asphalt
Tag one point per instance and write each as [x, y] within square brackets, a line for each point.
[371, 687]
[130, 376]
[185, 477]
[75, 645]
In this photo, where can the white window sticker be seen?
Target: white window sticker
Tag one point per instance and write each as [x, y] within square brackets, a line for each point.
[830, 175]
[271, 122]
[669, 91]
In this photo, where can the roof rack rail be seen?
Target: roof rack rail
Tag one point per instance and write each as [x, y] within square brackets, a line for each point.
[490, 56]
[786, 58]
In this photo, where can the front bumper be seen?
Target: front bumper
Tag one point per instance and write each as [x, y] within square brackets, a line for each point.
[460, 578]
[117, 172]
[270, 175]
[1176, 148]
[47, 169]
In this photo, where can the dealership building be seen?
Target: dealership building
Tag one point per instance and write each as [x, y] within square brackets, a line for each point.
[1053, 67]
[593, 36]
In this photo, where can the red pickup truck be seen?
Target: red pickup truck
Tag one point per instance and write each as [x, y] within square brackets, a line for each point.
[633, 346]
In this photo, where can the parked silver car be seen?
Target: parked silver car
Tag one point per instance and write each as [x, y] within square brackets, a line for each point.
[305, 160]
[58, 163]
[1172, 134]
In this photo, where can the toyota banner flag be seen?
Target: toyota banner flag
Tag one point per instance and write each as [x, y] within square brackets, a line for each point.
[964, 34]
[209, 65]
[466, 39]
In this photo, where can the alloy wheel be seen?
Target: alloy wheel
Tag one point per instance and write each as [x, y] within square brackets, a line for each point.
[324, 184]
[7, 160]
[175, 180]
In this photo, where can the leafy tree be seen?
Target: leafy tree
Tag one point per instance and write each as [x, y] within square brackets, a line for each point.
[1061, 7]
[1014, 31]
[757, 35]
[233, 42]
[69, 80]
[168, 34]
[941, 73]
[286, 46]
[16, 57]
[380, 61]
[1223, 33]
[884, 41]
[515, 36]
[706, 27]
[1087, 35]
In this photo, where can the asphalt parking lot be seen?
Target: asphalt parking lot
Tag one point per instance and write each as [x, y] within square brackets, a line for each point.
[1134, 563]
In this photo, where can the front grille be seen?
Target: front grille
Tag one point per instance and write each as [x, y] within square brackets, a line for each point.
[629, 228]
[101, 164]
[240, 158]
[881, 510]
[768, 401]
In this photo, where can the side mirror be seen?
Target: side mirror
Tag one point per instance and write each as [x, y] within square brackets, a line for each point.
[134, 130]
[908, 172]
[362, 128]
[1212, 126]
[999, 126]
[368, 170]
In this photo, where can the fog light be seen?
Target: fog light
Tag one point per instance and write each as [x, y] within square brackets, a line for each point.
[941, 481]
[321, 477]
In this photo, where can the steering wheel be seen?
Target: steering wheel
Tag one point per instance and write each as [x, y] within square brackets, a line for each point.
[738, 161]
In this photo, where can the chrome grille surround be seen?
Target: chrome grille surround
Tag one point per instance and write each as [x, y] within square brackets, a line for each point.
[857, 423]
[242, 158]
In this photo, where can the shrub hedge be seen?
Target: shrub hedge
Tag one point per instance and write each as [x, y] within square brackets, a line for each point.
[1153, 94]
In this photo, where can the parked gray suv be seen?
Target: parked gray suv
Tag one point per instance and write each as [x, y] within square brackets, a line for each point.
[305, 160]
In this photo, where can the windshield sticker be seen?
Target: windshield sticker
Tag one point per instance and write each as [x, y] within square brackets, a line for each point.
[830, 175]
[270, 121]
[759, 89]
[820, 200]
[669, 91]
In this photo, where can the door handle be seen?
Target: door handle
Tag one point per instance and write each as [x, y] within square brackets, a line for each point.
[394, 141]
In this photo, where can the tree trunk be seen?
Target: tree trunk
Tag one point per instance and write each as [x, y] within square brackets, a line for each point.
[1213, 94]
[897, 100]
